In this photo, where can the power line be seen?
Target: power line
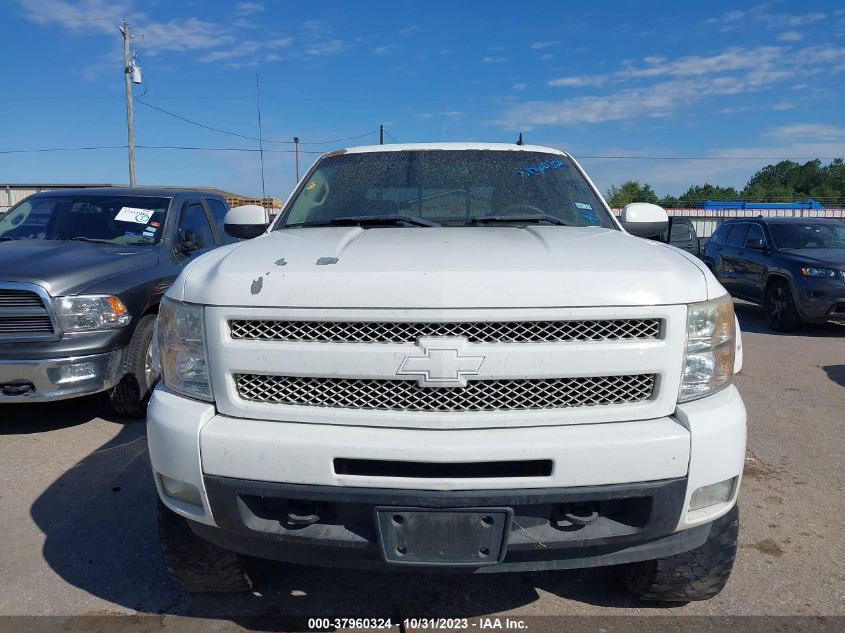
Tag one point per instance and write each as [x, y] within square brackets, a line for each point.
[246, 136]
[386, 131]
[173, 147]
[291, 151]
[621, 157]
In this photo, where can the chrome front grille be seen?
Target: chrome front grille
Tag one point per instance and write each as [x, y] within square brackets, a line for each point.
[474, 332]
[478, 395]
[25, 314]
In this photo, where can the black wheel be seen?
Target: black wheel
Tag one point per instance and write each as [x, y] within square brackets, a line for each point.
[129, 396]
[780, 308]
[197, 565]
[695, 575]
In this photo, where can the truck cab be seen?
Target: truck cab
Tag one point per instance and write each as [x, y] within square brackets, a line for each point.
[452, 357]
[82, 272]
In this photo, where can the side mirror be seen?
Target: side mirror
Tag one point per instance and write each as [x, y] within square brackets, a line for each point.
[644, 219]
[245, 222]
[755, 244]
[188, 243]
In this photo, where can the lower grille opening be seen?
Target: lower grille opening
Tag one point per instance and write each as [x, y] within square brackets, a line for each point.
[433, 470]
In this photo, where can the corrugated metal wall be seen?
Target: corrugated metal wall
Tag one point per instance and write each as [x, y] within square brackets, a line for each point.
[706, 220]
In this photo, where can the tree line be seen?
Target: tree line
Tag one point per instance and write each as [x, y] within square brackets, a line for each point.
[785, 181]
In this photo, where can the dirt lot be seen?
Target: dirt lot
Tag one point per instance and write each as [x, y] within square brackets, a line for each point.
[78, 518]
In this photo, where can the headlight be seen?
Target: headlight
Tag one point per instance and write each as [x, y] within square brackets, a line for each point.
[181, 349]
[84, 313]
[824, 273]
[711, 340]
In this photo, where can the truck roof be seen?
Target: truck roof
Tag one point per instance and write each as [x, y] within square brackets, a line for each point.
[502, 147]
[159, 192]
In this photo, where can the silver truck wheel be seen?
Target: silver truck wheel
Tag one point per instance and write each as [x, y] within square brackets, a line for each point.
[695, 575]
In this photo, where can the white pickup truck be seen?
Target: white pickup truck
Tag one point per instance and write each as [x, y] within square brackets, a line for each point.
[452, 357]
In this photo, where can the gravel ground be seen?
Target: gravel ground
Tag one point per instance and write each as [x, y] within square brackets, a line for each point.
[78, 518]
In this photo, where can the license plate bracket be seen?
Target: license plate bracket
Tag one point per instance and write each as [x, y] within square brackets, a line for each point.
[443, 536]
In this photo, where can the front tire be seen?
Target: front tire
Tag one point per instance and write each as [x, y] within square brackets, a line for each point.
[781, 311]
[195, 564]
[129, 397]
[699, 574]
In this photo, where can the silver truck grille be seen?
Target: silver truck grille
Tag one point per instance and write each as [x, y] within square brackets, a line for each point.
[24, 316]
[475, 332]
[478, 395]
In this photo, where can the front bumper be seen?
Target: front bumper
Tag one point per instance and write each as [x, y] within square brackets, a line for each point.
[635, 522]
[249, 473]
[821, 300]
[58, 378]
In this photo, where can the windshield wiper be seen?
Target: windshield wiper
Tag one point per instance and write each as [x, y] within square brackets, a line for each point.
[370, 220]
[89, 239]
[518, 219]
[9, 238]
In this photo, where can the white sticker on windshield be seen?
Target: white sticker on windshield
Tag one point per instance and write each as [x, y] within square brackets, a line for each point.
[584, 205]
[131, 214]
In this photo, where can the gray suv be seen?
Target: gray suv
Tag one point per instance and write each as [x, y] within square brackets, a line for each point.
[793, 266]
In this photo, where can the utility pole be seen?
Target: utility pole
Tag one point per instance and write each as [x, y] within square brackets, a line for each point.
[130, 119]
[296, 149]
[381, 134]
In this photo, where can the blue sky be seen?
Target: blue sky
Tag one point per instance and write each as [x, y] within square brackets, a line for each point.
[698, 80]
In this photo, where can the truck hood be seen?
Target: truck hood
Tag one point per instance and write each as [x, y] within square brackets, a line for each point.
[64, 267]
[448, 267]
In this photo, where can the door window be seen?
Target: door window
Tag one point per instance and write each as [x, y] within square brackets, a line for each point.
[195, 222]
[218, 212]
[755, 232]
[737, 235]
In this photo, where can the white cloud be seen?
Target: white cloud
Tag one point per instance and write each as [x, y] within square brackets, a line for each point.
[248, 8]
[449, 114]
[790, 36]
[385, 50]
[677, 84]
[537, 46]
[783, 105]
[761, 15]
[578, 81]
[492, 60]
[216, 41]
[520, 86]
[324, 48]
[734, 58]
[809, 132]
[547, 56]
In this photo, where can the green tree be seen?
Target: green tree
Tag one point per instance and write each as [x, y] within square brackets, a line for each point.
[698, 193]
[630, 191]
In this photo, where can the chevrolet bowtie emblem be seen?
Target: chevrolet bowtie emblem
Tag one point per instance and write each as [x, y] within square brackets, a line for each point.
[441, 363]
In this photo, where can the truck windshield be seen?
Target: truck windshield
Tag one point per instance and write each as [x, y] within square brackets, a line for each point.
[447, 187]
[97, 218]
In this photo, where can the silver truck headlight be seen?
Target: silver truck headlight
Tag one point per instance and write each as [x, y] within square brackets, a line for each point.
[181, 349]
[85, 313]
[711, 341]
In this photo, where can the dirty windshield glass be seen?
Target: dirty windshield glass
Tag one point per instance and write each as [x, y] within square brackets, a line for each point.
[450, 188]
[115, 219]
